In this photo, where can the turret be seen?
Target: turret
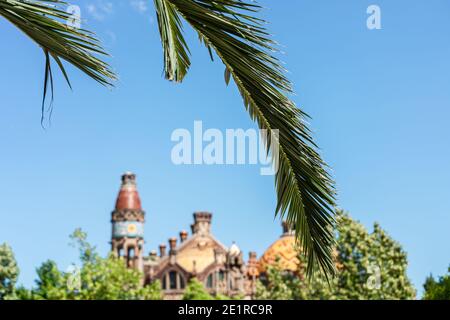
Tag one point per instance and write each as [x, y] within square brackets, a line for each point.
[202, 223]
[128, 223]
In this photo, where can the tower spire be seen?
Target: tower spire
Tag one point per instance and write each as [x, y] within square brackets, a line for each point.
[128, 223]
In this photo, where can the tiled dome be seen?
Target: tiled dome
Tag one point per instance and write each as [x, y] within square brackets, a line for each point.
[128, 198]
[283, 250]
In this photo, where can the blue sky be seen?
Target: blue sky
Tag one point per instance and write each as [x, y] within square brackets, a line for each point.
[379, 101]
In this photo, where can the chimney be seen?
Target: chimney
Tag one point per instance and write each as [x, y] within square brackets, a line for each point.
[183, 236]
[162, 250]
[252, 267]
[202, 223]
[287, 229]
[173, 245]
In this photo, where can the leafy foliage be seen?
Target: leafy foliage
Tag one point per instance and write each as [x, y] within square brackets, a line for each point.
[196, 291]
[228, 28]
[51, 283]
[277, 285]
[9, 271]
[370, 266]
[437, 290]
[97, 279]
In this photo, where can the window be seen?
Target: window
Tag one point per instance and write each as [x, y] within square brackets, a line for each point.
[172, 280]
[181, 282]
[209, 281]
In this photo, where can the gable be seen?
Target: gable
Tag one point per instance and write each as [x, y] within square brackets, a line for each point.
[199, 252]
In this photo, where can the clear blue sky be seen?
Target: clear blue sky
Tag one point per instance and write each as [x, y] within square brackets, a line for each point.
[380, 102]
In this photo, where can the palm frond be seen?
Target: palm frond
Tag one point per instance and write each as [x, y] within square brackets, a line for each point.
[44, 21]
[176, 51]
[305, 190]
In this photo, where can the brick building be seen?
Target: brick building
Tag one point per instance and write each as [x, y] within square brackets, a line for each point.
[222, 269]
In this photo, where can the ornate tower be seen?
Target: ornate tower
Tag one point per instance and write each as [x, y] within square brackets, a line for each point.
[128, 224]
[202, 223]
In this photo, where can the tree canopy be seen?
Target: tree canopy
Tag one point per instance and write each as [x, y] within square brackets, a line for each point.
[96, 279]
[370, 266]
[196, 291]
[437, 289]
[9, 271]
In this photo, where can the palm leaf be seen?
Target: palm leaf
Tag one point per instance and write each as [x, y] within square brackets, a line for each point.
[44, 22]
[305, 190]
[176, 51]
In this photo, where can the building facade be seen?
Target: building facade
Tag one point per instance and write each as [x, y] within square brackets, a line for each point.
[198, 254]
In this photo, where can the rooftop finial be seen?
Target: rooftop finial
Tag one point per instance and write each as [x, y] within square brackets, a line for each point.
[128, 178]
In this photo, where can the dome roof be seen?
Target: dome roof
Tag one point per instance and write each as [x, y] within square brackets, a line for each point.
[128, 198]
[234, 250]
[283, 250]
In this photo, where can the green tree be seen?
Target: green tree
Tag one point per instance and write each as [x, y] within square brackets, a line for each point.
[97, 279]
[196, 291]
[9, 271]
[371, 266]
[437, 290]
[51, 283]
[230, 28]
[277, 285]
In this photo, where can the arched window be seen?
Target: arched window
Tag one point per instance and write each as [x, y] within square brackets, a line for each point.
[172, 280]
